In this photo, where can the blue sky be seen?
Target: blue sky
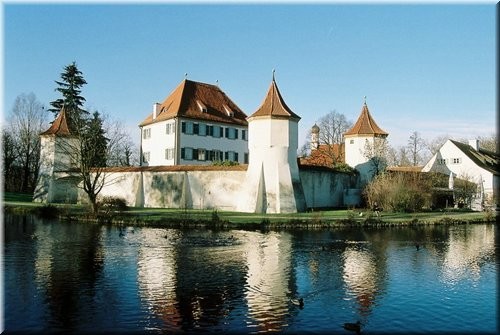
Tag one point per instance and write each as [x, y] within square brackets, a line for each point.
[426, 68]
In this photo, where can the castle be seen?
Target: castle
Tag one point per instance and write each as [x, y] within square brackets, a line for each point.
[198, 124]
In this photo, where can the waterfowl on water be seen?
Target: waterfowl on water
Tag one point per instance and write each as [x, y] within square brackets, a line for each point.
[355, 327]
[298, 302]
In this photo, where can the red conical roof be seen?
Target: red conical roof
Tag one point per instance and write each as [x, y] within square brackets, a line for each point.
[274, 105]
[59, 126]
[366, 125]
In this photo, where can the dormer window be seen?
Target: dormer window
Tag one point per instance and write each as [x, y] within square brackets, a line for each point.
[228, 111]
[201, 106]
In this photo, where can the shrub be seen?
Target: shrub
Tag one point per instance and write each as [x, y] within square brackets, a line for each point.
[108, 205]
[399, 192]
[224, 163]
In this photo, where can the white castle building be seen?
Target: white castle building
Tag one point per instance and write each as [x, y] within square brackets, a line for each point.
[198, 124]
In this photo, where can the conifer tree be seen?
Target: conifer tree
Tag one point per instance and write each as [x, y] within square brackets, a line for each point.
[70, 87]
[88, 150]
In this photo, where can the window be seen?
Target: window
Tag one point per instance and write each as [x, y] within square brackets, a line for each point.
[201, 154]
[231, 133]
[202, 131]
[187, 153]
[169, 153]
[245, 158]
[146, 133]
[441, 161]
[145, 157]
[457, 160]
[201, 106]
[187, 128]
[217, 131]
[351, 141]
[170, 128]
[228, 111]
[215, 155]
[210, 130]
[196, 128]
[244, 135]
[231, 156]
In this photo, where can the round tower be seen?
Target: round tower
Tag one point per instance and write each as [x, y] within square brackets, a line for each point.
[364, 143]
[56, 183]
[272, 183]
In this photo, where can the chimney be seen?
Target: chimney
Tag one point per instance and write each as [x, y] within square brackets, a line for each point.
[474, 144]
[156, 110]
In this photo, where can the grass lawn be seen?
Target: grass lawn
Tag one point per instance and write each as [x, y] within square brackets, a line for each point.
[157, 215]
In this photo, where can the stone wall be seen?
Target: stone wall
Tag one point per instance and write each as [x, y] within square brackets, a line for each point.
[213, 189]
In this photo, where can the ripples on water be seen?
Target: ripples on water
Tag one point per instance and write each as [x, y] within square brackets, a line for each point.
[82, 277]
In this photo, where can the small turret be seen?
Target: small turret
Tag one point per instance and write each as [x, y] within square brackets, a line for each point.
[314, 137]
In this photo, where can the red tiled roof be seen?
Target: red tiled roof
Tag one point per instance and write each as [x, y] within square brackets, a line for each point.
[186, 99]
[274, 105]
[365, 125]
[59, 126]
[325, 155]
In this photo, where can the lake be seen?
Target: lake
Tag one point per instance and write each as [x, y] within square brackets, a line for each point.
[87, 278]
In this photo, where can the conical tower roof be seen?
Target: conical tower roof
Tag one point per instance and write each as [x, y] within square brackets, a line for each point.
[59, 126]
[274, 105]
[365, 125]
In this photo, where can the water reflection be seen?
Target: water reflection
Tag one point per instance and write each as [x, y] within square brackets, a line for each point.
[268, 260]
[85, 277]
[467, 252]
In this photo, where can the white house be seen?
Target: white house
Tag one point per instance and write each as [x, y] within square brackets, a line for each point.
[362, 144]
[469, 162]
[196, 124]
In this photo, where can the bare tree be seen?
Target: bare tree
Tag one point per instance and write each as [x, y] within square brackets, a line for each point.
[377, 154]
[85, 153]
[436, 143]
[332, 128]
[121, 148]
[416, 146]
[489, 143]
[26, 122]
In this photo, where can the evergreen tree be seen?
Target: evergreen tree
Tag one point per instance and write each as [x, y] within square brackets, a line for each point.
[95, 141]
[89, 146]
[70, 87]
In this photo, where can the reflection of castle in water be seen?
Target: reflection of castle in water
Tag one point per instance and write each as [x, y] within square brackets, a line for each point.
[186, 282]
[360, 276]
[156, 278]
[467, 251]
[268, 279]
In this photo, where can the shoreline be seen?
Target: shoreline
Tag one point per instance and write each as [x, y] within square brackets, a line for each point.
[206, 219]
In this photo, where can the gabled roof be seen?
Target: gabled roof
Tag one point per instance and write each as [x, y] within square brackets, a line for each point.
[200, 101]
[274, 106]
[324, 155]
[485, 159]
[59, 126]
[366, 125]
